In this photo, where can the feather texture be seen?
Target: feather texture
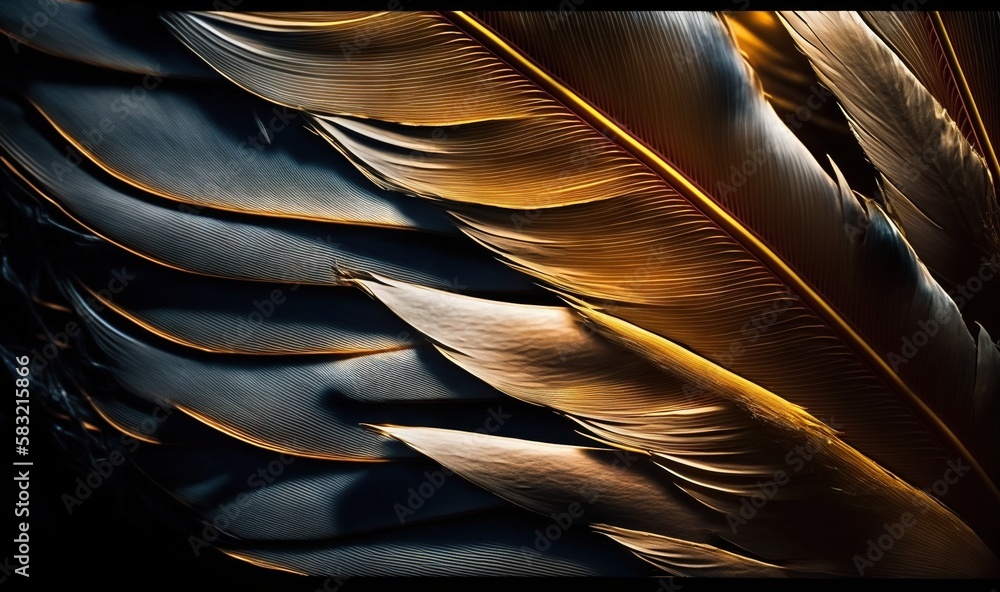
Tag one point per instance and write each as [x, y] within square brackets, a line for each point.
[693, 308]
[935, 176]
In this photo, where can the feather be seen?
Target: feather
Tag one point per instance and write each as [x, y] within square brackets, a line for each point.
[210, 160]
[808, 109]
[217, 315]
[720, 439]
[938, 175]
[487, 545]
[127, 40]
[226, 246]
[693, 308]
[308, 500]
[685, 558]
[650, 191]
[331, 397]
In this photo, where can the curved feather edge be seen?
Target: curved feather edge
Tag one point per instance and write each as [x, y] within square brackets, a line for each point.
[132, 40]
[512, 97]
[237, 154]
[839, 476]
[226, 244]
[497, 545]
[687, 559]
[942, 187]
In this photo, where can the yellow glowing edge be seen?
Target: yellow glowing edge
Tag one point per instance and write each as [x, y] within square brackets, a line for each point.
[112, 422]
[118, 426]
[764, 404]
[96, 159]
[259, 443]
[125, 247]
[278, 100]
[51, 305]
[186, 343]
[267, 22]
[721, 217]
[963, 85]
[148, 327]
[74, 57]
[262, 563]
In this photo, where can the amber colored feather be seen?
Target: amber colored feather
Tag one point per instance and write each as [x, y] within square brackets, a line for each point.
[586, 263]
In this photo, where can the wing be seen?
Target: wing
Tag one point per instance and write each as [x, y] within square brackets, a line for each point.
[924, 118]
[684, 284]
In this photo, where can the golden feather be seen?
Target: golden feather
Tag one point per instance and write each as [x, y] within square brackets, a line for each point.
[716, 354]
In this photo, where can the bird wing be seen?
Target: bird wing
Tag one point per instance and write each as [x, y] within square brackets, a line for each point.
[679, 280]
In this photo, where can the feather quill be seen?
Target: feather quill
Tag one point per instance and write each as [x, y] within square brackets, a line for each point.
[640, 221]
[722, 315]
[937, 175]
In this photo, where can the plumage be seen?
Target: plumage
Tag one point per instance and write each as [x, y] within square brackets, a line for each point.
[936, 173]
[589, 268]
